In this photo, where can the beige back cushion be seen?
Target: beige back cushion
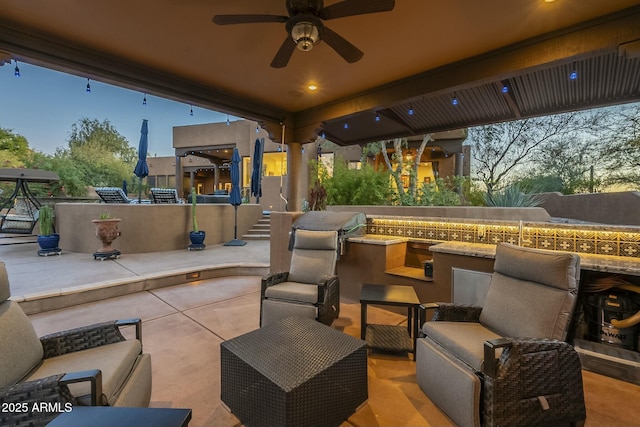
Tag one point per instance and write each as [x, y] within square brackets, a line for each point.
[20, 348]
[5, 292]
[314, 256]
[532, 293]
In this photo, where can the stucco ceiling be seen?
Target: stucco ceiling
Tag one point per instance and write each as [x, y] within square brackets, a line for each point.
[420, 55]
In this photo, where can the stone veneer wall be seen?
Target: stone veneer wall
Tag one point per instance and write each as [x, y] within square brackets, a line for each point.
[580, 238]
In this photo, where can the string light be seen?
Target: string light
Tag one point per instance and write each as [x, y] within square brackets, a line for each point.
[410, 110]
[191, 111]
[16, 71]
[377, 117]
[144, 100]
[257, 129]
[88, 86]
[228, 122]
[505, 89]
[455, 101]
[346, 125]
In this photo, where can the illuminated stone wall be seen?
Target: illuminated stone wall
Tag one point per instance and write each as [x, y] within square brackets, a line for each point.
[580, 238]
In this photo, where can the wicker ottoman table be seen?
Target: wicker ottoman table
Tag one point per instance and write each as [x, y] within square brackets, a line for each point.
[294, 372]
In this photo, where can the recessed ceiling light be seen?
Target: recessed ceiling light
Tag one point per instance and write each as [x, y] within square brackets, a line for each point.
[312, 87]
[549, 1]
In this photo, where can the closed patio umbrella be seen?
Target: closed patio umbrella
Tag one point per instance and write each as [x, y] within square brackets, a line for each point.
[235, 198]
[256, 173]
[142, 169]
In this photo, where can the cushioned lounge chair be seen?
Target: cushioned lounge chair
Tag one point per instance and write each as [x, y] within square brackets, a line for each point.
[507, 363]
[310, 288]
[91, 365]
[164, 196]
[114, 195]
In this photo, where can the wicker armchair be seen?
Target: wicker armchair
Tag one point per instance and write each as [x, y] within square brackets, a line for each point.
[310, 288]
[508, 363]
[91, 365]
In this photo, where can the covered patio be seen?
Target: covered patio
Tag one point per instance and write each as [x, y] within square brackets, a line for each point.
[184, 324]
[438, 67]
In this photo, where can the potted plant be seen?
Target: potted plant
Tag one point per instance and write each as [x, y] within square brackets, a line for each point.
[47, 239]
[196, 236]
[106, 231]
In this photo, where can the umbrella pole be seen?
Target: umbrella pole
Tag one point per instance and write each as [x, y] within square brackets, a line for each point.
[235, 241]
[235, 224]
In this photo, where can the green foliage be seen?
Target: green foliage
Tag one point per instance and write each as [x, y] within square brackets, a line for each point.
[101, 134]
[365, 186]
[105, 215]
[194, 203]
[46, 220]
[441, 192]
[512, 196]
[14, 144]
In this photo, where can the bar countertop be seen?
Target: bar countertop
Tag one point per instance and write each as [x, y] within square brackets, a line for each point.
[602, 263]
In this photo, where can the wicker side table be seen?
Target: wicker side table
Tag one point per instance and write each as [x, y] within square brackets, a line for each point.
[293, 372]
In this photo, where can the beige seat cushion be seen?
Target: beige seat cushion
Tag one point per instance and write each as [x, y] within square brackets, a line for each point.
[114, 360]
[293, 291]
[465, 340]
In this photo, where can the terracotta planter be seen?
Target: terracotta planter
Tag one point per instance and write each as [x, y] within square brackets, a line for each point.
[106, 231]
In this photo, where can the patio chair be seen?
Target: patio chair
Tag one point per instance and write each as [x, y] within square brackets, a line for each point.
[113, 195]
[310, 288]
[165, 196]
[507, 363]
[91, 365]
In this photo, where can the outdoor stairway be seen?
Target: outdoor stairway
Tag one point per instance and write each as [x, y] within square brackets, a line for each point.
[261, 230]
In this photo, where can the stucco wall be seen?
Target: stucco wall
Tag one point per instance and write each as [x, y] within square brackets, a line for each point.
[150, 228]
[470, 212]
[607, 208]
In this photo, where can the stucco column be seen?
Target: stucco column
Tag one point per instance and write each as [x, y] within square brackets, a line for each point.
[216, 176]
[179, 185]
[294, 177]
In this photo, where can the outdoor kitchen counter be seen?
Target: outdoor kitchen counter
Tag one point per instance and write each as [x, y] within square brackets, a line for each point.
[601, 263]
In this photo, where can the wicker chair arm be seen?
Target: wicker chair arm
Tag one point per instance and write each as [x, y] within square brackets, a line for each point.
[541, 377]
[48, 394]
[85, 337]
[448, 312]
[273, 279]
[94, 376]
[328, 299]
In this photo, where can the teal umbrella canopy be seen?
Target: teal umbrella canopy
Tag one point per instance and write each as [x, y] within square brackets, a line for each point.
[142, 169]
[235, 198]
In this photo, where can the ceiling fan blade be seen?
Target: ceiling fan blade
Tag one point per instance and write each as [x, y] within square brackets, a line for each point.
[284, 53]
[355, 7]
[349, 52]
[247, 19]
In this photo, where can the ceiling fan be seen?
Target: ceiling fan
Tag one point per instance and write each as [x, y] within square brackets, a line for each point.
[305, 25]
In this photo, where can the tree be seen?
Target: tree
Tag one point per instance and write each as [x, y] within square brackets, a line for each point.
[499, 150]
[622, 153]
[13, 143]
[101, 134]
[407, 197]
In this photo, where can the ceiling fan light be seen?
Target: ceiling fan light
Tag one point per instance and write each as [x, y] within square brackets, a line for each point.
[305, 34]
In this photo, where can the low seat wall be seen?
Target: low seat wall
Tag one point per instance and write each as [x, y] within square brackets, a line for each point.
[150, 228]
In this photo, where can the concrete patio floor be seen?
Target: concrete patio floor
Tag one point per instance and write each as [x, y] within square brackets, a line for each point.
[184, 324]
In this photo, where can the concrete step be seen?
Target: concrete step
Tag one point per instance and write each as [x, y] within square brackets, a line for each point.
[256, 236]
[256, 231]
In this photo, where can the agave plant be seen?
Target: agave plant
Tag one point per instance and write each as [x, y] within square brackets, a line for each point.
[512, 197]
